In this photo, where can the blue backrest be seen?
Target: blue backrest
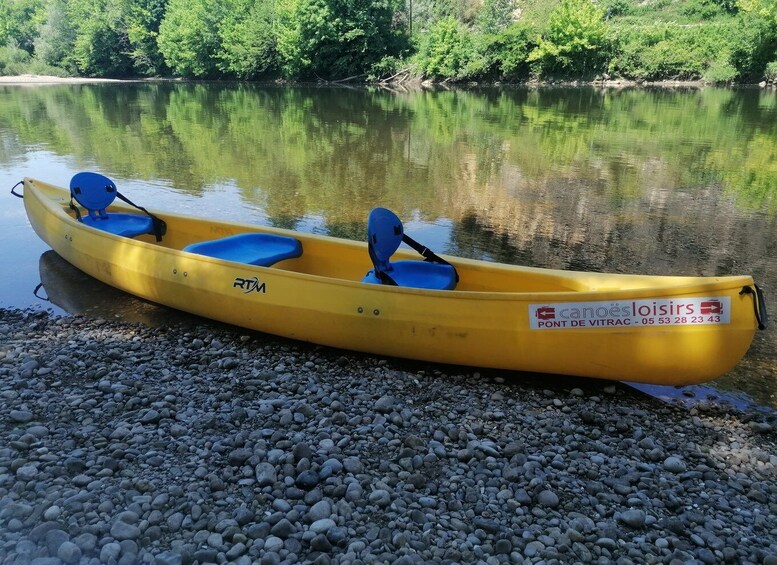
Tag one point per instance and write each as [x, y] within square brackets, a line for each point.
[384, 234]
[93, 191]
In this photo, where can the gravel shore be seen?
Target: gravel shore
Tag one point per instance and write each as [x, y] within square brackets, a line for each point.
[121, 443]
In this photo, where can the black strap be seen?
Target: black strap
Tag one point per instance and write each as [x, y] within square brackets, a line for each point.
[384, 278]
[75, 208]
[160, 227]
[759, 304]
[427, 253]
[13, 189]
[37, 290]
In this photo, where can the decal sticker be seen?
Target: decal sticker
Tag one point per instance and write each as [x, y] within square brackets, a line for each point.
[250, 285]
[647, 313]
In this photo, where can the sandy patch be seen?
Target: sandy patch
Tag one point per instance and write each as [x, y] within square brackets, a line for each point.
[42, 79]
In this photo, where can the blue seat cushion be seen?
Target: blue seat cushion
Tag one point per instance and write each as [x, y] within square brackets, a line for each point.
[262, 249]
[419, 274]
[126, 225]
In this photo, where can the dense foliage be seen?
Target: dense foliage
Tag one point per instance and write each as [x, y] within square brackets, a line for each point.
[717, 40]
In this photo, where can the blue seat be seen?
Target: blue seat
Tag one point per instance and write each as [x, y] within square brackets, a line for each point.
[385, 232]
[96, 192]
[262, 249]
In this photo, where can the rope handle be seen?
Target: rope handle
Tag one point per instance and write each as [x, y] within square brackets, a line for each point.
[37, 290]
[13, 189]
[759, 304]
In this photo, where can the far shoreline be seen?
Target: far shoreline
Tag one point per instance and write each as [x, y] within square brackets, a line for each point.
[417, 84]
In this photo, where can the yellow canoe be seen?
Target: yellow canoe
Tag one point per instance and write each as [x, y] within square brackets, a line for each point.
[653, 329]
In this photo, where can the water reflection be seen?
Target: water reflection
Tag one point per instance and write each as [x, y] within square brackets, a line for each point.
[74, 292]
[659, 182]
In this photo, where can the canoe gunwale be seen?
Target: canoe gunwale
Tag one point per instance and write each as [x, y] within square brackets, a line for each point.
[689, 285]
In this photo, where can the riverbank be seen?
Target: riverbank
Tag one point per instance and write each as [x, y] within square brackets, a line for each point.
[123, 443]
[405, 85]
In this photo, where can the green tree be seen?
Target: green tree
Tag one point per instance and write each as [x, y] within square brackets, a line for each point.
[188, 37]
[341, 38]
[19, 22]
[447, 50]
[248, 39]
[287, 33]
[766, 9]
[507, 52]
[576, 41]
[495, 15]
[464, 11]
[101, 45]
[142, 19]
[54, 44]
[754, 45]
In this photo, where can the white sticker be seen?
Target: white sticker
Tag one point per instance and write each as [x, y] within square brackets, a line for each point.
[648, 313]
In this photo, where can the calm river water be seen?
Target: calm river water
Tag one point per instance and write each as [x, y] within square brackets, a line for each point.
[680, 182]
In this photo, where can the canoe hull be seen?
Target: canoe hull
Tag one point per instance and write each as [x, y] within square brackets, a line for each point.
[523, 331]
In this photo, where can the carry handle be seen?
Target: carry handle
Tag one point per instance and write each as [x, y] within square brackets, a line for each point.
[38, 289]
[759, 304]
[13, 189]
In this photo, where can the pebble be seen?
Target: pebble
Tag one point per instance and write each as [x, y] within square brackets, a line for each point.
[320, 510]
[674, 465]
[380, 497]
[123, 531]
[130, 444]
[21, 416]
[69, 552]
[322, 526]
[633, 518]
[548, 498]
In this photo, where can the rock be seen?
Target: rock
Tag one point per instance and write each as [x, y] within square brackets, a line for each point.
[110, 552]
[353, 465]
[385, 404]
[265, 474]
[490, 526]
[674, 465]
[239, 456]
[21, 416]
[40, 531]
[607, 543]
[244, 516]
[320, 510]
[175, 521]
[69, 552]
[633, 518]
[354, 492]
[283, 529]
[273, 543]
[321, 543]
[150, 417]
[151, 452]
[503, 547]
[548, 498]
[307, 480]
[27, 473]
[380, 497]
[168, 558]
[760, 427]
[55, 539]
[302, 451]
[236, 551]
[123, 531]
